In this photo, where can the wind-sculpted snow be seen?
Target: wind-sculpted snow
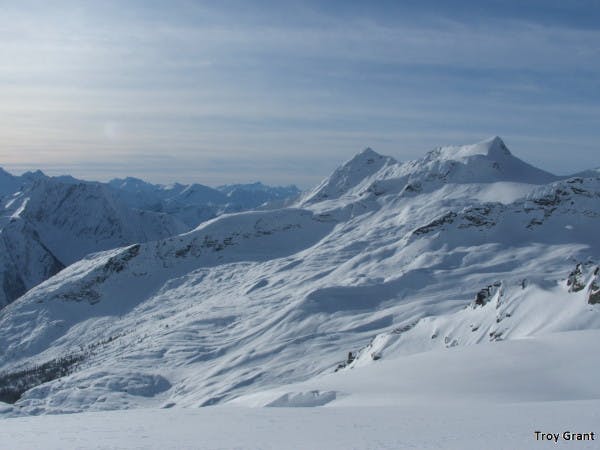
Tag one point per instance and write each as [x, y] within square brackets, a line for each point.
[546, 369]
[303, 399]
[383, 259]
[117, 281]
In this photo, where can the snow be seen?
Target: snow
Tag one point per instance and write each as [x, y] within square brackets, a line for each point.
[547, 368]
[20, 209]
[504, 192]
[251, 300]
[462, 284]
[196, 203]
[421, 427]
[306, 399]
[493, 146]
[493, 396]
[51, 222]
[354, 172]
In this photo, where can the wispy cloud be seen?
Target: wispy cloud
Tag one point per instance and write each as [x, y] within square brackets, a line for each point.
[95, 89]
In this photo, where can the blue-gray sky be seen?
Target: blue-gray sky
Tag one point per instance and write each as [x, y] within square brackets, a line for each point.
[283, 92]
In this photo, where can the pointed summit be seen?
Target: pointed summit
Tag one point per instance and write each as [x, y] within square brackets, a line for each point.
[367, 156]
[485, 161]
[368, 151]
[494, 140]
[352, 173]
[495, 146]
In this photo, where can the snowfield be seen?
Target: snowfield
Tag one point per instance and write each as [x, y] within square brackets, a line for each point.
[493, 427]
[447, 302]
[493, 396]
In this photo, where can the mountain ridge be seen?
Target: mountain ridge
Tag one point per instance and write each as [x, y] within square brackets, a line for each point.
[397, 258]
[48, 223]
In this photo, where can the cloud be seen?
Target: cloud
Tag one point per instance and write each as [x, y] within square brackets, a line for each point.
[228, 90]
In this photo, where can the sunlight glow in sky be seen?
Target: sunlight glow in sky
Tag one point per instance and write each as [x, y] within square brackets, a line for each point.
[283, 92]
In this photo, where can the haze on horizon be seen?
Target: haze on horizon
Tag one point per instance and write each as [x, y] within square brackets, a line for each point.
[282, 92]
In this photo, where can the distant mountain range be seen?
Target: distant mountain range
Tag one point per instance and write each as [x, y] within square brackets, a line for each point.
[47, 223]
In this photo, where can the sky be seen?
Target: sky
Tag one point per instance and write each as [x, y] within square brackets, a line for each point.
[285, 91]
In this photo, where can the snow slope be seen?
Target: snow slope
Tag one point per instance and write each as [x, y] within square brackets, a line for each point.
[479, 400]
[553, 367]
[424, 427]
[383, 259]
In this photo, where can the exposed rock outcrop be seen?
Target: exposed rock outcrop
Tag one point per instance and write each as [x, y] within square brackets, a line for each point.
[575, 280]
[594, 290]
[486, 294]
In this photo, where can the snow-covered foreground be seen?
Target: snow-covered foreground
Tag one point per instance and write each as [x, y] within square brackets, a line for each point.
[553, 367]
[492, 396]
[422, 427]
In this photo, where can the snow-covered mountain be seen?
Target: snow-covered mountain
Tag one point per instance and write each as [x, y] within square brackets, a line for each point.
[8, 183]
[195, 203]
[485, 163]
[253, 195]
[468, 245]
[47, 223]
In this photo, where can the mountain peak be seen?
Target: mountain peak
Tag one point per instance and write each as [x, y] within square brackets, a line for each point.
[128, 183]
[368, 152]
[366, 157]
[34, 175]
[484, 161]
[352, 173]
[493, 147]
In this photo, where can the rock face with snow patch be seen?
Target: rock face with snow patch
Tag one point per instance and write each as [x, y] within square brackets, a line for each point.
[575, 280]
[487, 293]
[594, 288]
